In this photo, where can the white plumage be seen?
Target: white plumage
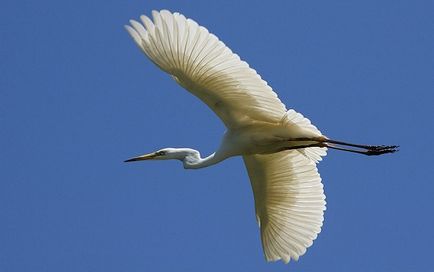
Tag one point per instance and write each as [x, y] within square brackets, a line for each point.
[289, 200]
[207, 68]
[280, 148]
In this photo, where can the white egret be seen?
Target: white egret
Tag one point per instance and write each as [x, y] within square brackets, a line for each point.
[280, 147]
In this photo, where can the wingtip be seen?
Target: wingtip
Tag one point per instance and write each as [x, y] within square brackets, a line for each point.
[133, 33]
[165, 11]
[129, 28]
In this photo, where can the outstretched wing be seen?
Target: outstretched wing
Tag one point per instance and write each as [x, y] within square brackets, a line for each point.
[207, 68]
[289, 201]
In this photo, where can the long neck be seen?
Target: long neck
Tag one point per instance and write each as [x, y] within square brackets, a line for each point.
[198, 162]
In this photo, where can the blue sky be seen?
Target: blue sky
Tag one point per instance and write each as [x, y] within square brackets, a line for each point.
[77, 97]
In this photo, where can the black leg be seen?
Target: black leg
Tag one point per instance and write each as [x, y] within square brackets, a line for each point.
[370, 150]
[369, 147]
[304, 146]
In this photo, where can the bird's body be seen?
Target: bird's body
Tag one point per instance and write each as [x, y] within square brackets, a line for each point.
[261, 138]
[280, 147]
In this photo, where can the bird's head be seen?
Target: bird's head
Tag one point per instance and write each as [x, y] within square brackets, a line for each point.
[169, 154]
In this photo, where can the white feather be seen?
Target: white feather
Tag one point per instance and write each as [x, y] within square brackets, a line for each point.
[288, 192]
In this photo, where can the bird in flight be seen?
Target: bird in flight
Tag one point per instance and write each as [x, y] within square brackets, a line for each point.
[280, 147]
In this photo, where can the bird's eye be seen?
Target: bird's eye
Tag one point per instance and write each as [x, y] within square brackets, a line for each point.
[161, 153]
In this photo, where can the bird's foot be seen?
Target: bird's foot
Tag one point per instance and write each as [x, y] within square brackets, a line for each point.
[381, 149]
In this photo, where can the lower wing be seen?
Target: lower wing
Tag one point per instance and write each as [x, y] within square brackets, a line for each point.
[289, 200]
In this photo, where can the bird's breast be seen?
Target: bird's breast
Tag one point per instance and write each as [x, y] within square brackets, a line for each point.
[254, 140]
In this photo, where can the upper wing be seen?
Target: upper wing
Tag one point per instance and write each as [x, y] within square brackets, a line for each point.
[207, 68]
[289, 200]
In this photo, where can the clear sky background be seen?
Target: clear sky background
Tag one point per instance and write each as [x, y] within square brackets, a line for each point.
[77, 97]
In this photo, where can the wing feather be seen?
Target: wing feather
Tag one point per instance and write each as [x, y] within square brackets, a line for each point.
[288, 192]
[289, 201]
[207, 68]
[305, 128]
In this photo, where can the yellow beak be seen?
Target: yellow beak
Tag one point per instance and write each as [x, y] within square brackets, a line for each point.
[143, 157]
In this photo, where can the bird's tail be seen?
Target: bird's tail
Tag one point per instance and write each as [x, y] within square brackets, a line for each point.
[302, 126]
